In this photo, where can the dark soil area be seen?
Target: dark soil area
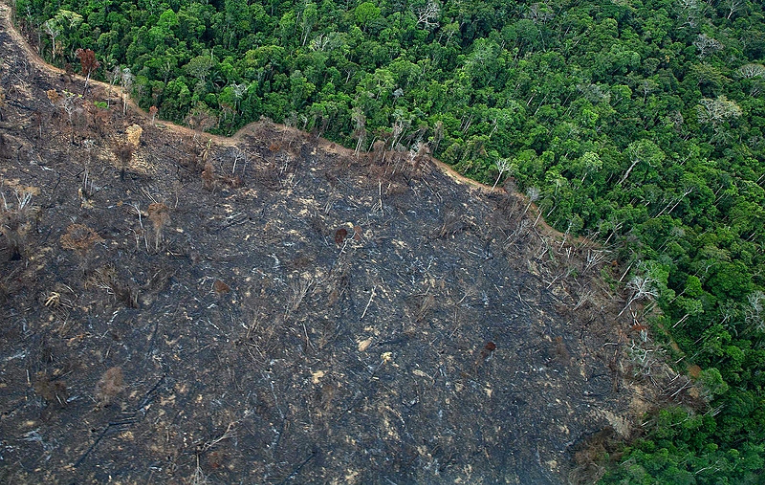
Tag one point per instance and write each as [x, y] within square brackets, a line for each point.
[177, 308]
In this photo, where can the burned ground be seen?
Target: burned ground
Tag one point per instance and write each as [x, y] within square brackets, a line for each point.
[271, 309]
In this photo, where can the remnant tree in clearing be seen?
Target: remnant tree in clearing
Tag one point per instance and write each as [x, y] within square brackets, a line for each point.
[89, 64]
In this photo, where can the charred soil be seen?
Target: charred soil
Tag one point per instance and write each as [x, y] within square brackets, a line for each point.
[271, 309]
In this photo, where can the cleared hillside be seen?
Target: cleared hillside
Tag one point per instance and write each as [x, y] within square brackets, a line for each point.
[271, 309]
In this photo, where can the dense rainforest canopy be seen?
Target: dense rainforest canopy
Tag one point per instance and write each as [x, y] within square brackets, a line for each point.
[637, 123]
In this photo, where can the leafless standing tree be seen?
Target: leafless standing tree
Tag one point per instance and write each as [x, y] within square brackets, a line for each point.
[438, 134]
[755, 314]
[87, 183]
[429, 14]
[733, 6]
[707, 45]
[532, 193]
[112, 76]
[716, 111]
[690, 13]
[749, 71]
[641, 287]
[360, 132]
[53, 30]
[127, 78]
[503, 165]
[642, 151]
[239, 154]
